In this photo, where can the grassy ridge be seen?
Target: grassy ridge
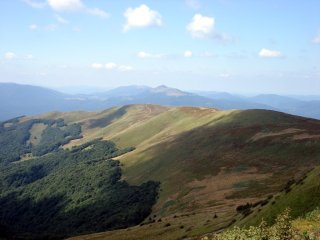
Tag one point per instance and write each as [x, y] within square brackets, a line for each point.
[208, 161]
[224, 142]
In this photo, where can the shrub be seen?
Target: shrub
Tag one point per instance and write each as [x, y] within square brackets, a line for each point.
[281, 230]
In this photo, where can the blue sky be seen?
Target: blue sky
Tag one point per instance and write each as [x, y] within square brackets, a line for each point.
[243, 46]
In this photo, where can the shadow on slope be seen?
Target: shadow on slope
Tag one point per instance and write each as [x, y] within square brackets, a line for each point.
[109, 118]
[273, 143]
[301, 195]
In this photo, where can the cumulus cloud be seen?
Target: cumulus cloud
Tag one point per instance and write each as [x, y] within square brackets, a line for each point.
[35, 4]
[10, 55]
[33, 27]
[97, 65]
[60, 19]
[187, 54]
[201, 26]
[111, 66]
[316, 39]
[269, 53]
[143, 54]
[140, 17]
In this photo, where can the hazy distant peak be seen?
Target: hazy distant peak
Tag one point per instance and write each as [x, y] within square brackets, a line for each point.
[168, 91]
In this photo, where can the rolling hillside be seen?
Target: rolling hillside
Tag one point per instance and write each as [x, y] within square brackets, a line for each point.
[208, 162]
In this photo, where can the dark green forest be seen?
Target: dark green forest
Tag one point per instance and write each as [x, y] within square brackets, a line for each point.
[61, 192]
[14, 137]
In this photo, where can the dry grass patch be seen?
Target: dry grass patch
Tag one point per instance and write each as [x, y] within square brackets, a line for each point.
[36, 132]
[261, 135]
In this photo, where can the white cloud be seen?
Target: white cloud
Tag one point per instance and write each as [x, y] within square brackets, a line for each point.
[316, 39]
[75, 5]
[269, 53]
[195, 4]
[97, 12]
[60, 19]
[141, 16]
[33, 27]
[149, 55]
[187, 54]
[66, 5]
[35, 4]
[97, 65]
[10, 55]
[201, 26]
[111, 66]
[124, 68]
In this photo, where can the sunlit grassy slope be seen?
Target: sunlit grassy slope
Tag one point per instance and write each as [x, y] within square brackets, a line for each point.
[208, 161]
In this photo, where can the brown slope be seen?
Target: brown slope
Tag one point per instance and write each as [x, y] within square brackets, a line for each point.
[211, 167]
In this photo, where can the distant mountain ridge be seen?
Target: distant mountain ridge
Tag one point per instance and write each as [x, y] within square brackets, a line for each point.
[17, 100]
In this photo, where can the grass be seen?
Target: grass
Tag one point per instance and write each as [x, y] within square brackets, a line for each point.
[181, 226]
[183, 146]
[244, 184]
[303, 197]
[35, 133]
[309, 225]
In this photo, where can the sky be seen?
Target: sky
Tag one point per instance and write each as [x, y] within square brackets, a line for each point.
[238, 46]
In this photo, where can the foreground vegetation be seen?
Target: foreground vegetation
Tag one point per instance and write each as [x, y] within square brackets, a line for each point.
[301, 196]
[283, 229]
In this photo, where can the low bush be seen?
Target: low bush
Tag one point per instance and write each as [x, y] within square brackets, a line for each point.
[281, 230]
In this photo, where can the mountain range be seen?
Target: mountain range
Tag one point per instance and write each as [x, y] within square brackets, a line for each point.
[17, 100]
